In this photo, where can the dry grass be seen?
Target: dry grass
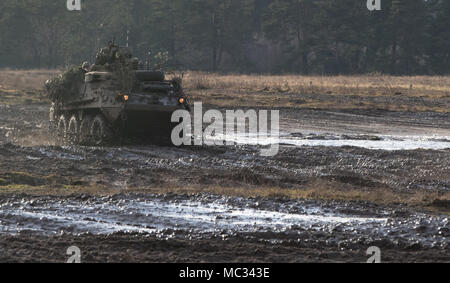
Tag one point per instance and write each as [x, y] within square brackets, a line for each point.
[437, 202]
[427, 93]
[19, 86]
[349, 92]
[25, 79]
[430, 86]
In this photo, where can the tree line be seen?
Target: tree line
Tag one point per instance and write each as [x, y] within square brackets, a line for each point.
[259, 36]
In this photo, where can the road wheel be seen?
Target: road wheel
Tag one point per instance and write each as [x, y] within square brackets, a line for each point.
[85, 130]
[100, 132]
[61, 130]
[73, 130]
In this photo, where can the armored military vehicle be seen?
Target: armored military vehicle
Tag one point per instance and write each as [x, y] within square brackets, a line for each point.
[115, 97]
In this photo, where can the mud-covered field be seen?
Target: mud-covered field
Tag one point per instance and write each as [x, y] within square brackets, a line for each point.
[343, 181]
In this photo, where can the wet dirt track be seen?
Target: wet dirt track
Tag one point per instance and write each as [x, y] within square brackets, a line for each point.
[166, 228]
[146, 227]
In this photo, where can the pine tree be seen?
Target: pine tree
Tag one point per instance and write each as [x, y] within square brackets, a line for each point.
[290, 23]
[303, 36]
[408, 26]
[220, 28]
[439, 44]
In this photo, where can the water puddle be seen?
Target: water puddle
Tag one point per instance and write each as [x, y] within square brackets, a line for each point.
[154, 215]
[212, 216]
[390, 143]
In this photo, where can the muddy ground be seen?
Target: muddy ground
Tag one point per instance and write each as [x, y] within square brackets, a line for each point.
[343, 181]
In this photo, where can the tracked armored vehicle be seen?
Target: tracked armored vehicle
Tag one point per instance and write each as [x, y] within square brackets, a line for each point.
[115, 98]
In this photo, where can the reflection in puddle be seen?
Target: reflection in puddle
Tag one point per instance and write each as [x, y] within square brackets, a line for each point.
[216, 216]
[377, 143]
[139, 215]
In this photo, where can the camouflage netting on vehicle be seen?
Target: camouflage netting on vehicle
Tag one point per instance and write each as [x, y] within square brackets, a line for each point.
[112, 59]
[123, 68]
[65, 85]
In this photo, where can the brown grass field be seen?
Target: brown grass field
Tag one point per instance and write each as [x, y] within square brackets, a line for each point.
[418, 93]
[435, 86]
[24, 86]
[413, 93]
